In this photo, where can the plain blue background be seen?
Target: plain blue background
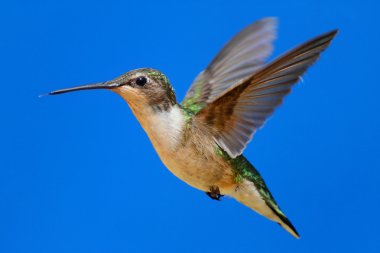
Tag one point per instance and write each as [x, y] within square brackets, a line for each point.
[78, 174]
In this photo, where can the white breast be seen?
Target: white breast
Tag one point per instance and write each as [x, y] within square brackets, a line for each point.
[164, 128]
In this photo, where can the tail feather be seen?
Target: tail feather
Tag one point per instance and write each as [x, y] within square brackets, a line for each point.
[253, 192]
[249, 195]
[285, 222]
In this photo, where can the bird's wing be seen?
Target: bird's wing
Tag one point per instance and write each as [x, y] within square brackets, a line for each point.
[235, 116]
[239, 59]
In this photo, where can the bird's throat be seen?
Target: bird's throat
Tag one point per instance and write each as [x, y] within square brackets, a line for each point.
[163, 127]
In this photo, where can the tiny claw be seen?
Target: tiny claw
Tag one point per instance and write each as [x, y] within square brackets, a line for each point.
[214, 193]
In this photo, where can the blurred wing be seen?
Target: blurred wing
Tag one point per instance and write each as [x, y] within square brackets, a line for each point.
[238, 60]
[236, 115]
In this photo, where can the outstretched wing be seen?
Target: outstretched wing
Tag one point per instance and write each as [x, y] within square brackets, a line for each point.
[235, 116]
[239, 59]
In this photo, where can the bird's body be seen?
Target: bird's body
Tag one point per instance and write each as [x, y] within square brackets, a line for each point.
[185, 149]
[190, 153]
[201, 140]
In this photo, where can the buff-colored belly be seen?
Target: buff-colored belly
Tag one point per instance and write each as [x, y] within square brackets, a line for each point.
[200, 172]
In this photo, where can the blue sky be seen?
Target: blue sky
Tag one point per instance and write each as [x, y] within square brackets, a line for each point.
[78, 174]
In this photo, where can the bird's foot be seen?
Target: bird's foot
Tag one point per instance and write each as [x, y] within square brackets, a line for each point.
[214, 193]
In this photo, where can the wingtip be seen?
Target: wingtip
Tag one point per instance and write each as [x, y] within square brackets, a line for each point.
[333, 32]
[330, 34]
[326, 38]
[273, 20]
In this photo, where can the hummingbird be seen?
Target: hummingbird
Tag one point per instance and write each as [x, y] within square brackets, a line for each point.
[201, 139]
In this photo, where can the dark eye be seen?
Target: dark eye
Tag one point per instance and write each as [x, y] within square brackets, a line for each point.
[141, 80]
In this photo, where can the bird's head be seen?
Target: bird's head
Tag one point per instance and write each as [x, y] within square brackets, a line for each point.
[140, 88]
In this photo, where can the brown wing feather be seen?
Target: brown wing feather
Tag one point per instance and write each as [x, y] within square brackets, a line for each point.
[239, 59]
[237, 114]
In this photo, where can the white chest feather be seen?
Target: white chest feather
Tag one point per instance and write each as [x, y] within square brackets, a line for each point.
[164, 128]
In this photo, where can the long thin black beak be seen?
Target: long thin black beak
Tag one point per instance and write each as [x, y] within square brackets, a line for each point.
[94, 86]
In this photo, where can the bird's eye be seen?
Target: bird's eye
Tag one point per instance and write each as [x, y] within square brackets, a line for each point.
[141, 80]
